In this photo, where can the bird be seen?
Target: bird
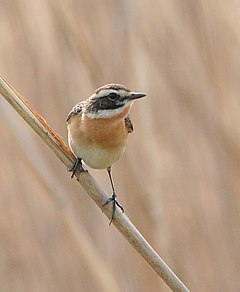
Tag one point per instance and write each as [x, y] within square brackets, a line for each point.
[98, 129]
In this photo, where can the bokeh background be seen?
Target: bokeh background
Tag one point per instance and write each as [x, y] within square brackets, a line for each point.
[179, 180]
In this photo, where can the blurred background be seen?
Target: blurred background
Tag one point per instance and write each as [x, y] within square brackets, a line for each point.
[179, 180]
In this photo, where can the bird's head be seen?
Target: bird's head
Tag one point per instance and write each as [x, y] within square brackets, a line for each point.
[110, 100]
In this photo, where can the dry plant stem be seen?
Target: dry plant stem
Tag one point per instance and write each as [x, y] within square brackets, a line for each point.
[122, 223]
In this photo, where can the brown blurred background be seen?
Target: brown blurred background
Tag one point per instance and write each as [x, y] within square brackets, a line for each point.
[179, 180]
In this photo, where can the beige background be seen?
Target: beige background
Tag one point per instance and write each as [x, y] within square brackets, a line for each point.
[179, 180]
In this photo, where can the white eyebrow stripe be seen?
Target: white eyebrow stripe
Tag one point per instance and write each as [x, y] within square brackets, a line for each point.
[106, 92]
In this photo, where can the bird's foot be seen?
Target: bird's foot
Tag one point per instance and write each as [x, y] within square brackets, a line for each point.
[115, 203]
[77, 165]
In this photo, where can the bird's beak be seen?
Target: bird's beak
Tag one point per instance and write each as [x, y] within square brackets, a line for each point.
[136, 95]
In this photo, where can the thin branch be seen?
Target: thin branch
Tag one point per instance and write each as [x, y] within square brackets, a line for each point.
[121, 221]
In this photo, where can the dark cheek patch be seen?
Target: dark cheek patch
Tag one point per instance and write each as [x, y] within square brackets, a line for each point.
[104, 104]
[108, 104]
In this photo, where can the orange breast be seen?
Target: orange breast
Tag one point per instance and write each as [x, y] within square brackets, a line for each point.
[99, 142]
[107, 133]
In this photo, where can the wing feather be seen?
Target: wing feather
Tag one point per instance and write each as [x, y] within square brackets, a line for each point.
[128, 124]
[76, 110]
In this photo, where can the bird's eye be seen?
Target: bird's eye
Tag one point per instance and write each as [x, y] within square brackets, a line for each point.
[112, 96]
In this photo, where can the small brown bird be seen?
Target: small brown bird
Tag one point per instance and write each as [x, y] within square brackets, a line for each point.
[98, 129]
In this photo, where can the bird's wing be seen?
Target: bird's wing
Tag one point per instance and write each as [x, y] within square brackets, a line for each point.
[128, 124]
[76, 110]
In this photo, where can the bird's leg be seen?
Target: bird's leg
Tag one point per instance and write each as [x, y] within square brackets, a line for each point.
[77, 165]
[113, 197]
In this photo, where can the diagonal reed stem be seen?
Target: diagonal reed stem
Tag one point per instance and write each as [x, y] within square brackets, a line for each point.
[61, 150]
